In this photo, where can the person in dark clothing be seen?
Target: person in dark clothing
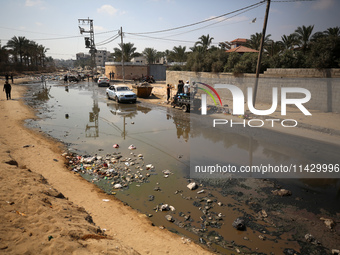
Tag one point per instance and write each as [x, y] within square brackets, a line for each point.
[180, 87]
[168, 92]
[6, 76]
[7, 89]
[12, 78]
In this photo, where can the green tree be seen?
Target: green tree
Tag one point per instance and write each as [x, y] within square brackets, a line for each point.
[178, 54]
[233, 59]
[205, 41]
[255, 41]
[18, 47]
[303, 35]
[129, 52]
[332, 31]
[247, 63]
[288, 42]
[4, 54]
[150, 54]
[324, 53]
[274, 48]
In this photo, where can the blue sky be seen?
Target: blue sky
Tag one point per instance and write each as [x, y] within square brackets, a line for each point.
[46, 21]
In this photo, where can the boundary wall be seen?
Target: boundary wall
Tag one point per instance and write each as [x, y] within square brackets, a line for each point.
[323, 85]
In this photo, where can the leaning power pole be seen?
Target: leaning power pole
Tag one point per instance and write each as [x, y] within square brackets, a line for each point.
[260, 53]
[122, 45]
[89, 41]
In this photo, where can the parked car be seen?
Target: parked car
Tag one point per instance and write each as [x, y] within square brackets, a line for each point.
[121, 93]
[103, 82]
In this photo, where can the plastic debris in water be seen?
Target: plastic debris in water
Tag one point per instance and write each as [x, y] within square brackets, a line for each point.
[115, 146]
[132, 147]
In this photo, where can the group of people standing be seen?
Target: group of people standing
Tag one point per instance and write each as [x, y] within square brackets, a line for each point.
[182, 89]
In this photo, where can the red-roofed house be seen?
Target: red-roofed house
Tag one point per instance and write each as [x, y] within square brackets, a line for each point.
[237, 45]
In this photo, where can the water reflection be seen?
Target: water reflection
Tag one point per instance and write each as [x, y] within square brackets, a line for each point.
[92, 128]
[43, 94]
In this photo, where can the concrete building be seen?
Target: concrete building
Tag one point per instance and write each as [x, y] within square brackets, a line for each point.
[102, 57]
[82, 55]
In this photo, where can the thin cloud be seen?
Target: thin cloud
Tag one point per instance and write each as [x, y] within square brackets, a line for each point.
[33, 2]
[323, 4]
[39, 24]
[98, 28]
[106, 8]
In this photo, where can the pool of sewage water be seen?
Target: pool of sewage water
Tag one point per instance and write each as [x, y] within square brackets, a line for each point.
[82, 117]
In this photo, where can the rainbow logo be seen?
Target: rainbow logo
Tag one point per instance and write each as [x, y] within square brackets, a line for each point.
[209, 93]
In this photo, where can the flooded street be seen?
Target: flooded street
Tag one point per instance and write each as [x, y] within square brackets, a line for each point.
[81, 116]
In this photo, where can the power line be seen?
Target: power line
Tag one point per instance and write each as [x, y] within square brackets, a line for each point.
[196, 23]
[225, 19]
[111, 39]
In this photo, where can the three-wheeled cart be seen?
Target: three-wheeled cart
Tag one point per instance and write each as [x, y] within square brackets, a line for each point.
[185, 102]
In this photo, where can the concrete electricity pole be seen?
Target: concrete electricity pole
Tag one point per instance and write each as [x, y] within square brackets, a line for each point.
[260, 53]
[89, 41]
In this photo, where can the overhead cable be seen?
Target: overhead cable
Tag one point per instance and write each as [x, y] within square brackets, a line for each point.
[206, 20]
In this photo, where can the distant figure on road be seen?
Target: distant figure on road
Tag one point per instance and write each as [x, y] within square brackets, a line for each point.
[6, 76]
[7, 89]
[168, 92]
[12, 78]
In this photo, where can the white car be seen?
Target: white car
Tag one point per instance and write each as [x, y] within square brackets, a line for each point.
[103, 82]
[121, 93]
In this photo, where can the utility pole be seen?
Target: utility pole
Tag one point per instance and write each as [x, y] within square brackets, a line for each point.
[89, 41]
[122, 44]
[260, 53]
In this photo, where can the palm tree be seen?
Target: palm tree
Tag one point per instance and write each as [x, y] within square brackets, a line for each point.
[304, 35]
[255, 41]
[18, 46]
[274, 48]
[150, 54]
[332, 31]
[129, 52]
[178, 53]
[205, 42]
[41, 54]
[289, 41]
[4, 54]
[225, 45]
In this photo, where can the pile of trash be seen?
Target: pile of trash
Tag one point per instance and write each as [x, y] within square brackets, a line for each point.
[119, 171]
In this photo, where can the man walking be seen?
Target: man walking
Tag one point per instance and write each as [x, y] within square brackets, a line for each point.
[7, 89]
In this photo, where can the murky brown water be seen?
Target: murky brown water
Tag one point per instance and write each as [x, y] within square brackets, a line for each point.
[82, 117]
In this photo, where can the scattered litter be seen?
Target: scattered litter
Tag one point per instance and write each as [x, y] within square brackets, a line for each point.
[282, 192]
[239, 224]
[106, 200]
[132, 147]
[20, 213]
[115, 146]
[169, 218]
[192, 185]
[328, 222]
[117, 186]
[149, 166]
